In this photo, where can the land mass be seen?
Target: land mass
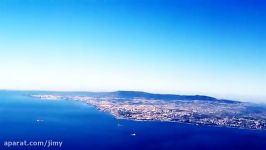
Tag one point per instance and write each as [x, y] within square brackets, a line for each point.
[194, 109]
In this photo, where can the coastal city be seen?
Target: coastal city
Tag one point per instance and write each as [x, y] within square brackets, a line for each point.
[198, 112]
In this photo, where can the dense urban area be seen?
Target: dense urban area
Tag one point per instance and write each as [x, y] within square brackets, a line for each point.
[198, 112]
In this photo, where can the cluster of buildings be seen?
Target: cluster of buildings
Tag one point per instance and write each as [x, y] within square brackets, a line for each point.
[194, 112]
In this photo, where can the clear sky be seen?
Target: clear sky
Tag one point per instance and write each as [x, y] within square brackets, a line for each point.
[212, 47]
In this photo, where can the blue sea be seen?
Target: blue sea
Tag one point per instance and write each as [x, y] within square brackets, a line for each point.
[82, 127]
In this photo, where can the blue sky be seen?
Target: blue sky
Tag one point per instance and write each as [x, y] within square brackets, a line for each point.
[207, 47]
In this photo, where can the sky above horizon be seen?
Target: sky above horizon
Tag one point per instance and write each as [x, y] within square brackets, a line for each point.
[209, 47]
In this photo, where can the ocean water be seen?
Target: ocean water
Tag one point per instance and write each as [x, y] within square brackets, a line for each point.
[81, 126]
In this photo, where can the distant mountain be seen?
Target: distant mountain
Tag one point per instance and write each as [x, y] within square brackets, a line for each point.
[139, 94]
